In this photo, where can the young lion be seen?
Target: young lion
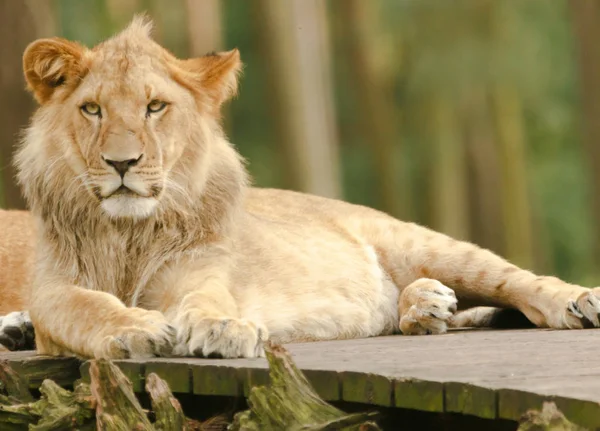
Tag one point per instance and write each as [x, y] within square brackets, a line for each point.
[152, 243]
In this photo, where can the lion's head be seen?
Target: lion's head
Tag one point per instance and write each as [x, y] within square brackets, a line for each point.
[126, 123]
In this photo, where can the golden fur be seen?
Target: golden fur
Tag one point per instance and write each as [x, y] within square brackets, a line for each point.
[177, 255]
[17, 238]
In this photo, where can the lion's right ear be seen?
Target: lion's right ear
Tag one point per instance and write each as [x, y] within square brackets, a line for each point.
[51, 63]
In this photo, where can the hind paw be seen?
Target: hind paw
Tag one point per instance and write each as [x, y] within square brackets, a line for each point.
[584, 312]
[426, 306]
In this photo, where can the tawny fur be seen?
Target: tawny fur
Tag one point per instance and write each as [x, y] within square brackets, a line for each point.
[17, 238]
[190, 260]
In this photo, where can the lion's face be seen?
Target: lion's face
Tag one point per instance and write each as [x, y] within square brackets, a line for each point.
[130, 128]
[128, 110]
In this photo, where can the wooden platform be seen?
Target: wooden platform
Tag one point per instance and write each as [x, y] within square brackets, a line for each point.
[489, 374]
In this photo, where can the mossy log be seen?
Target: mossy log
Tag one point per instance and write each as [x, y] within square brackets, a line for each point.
[57, 409]
[168, 411]
[15, 412]
[13, 384]
[289, 402]
[107, 403]
[60, 409]
[118, 408]
[550, 418]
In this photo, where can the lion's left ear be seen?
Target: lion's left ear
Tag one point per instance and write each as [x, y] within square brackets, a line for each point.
[216, 74]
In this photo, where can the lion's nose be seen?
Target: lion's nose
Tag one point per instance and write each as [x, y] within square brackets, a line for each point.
[122, 166]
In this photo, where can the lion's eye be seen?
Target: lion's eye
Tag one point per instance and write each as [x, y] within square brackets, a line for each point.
[156, 106]
[91, 109]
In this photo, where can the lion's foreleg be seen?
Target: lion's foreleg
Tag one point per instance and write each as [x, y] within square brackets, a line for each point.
[71, 320]
[207, 318]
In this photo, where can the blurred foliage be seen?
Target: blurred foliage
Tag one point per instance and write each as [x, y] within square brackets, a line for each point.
[458, 59]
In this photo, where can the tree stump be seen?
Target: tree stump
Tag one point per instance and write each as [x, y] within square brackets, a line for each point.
[169, 415]
[550, 418]
[290, 403]
[117, 408]
[62, 409]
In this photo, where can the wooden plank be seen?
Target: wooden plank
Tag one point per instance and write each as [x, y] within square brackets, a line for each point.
[64, 371]
[470, 400]
[367, 388]
[419, 395]
[216, 380]
[177, 375]
[327, 384]
[254, 377]
[462, 371]
[512, 404]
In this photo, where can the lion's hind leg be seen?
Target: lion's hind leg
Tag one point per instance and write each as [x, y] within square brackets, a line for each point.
[426, 306]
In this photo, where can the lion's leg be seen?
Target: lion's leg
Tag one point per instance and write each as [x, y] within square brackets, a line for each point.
[408, 252]
[70, 319]
[207, 317]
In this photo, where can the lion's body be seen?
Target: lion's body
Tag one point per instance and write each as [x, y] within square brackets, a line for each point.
[17, 245]
[151, 242]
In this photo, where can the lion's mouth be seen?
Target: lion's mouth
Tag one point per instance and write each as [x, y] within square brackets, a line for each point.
[122, 191]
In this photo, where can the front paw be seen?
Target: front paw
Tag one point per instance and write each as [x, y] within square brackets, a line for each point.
[223, 338]
[137, 334]
[16, 331]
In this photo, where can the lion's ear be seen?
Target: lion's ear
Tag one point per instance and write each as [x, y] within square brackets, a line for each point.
[217, 74]
[51, 63]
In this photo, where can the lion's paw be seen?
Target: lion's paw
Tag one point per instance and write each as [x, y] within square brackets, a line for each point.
[426, 307]
[144, 334]
[16, 331]
[223, 338]
[583, 312]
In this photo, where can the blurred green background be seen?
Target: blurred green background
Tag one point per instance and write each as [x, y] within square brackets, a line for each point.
[478, 118]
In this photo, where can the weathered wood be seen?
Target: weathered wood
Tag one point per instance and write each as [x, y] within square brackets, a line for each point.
[63, 371]
[215, 380]
[15, 413]
[62, 409]
[57, 408]
[117, 408]
[367, 388]
[490, 374]
[14, 385]
[327, 384]
[177, 374]
[549, 419]
[470, 400]
[134, 371]
[167, 409]
[289, 402]
[419, 395]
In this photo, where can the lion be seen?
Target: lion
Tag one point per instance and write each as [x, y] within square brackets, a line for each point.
[151, 240]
